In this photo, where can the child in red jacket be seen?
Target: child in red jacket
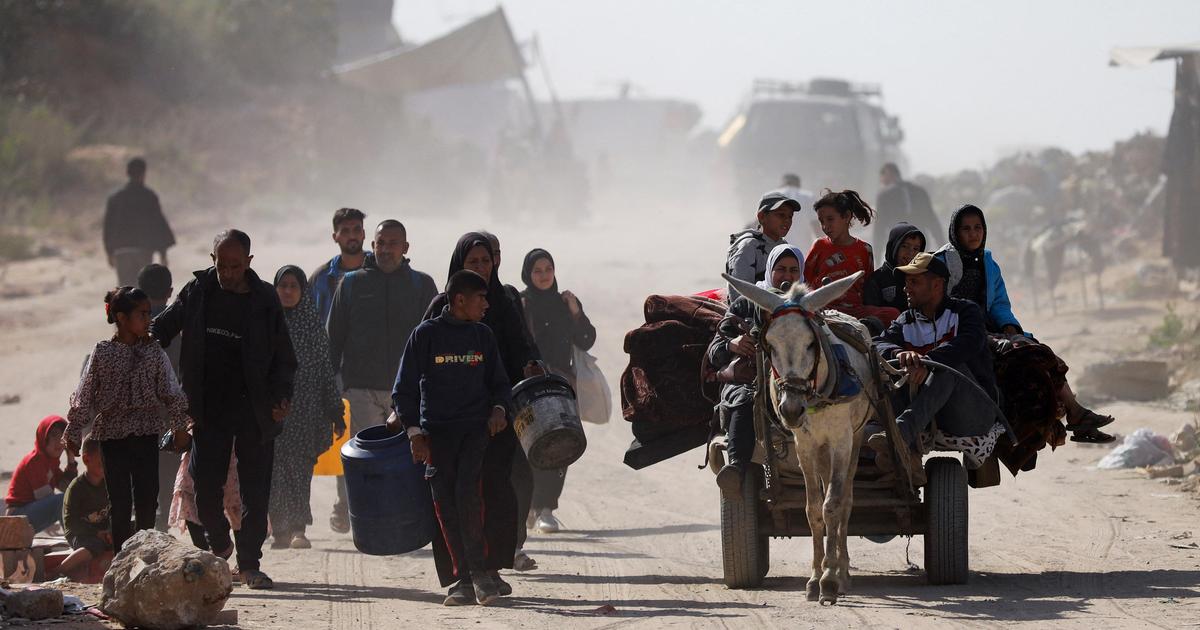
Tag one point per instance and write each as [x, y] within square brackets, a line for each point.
[31, 492]
[839, 254]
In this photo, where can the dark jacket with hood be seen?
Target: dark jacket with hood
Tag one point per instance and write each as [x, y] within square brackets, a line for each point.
[268, 359]
[882, 287]
[502, 316]
[371, 317]
[975, 276]
[555, 331]
[450, 376]
[38, 474]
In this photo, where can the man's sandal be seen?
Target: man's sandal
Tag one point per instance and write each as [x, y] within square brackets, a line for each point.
[1091, 436]
[1090, 420]
[257, 580]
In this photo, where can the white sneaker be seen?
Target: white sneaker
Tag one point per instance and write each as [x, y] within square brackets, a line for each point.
[547, 523]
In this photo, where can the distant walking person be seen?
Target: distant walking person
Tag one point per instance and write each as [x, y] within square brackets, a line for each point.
[316, 413]
[373, 312]
[901, 201]
[349, 235]
[238, 369]
[134, 226]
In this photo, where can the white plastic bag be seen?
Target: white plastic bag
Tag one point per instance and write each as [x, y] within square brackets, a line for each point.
[591, 389]
[1141, 448]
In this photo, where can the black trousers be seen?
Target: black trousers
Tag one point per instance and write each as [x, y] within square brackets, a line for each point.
[211, 448]
[453, 474]
[522, 478]
[499, 510]
[131, 477]
[740, 433]
[547, 488]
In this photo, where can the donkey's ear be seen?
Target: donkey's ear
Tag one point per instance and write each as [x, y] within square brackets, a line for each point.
[819, 299]
[764, 299]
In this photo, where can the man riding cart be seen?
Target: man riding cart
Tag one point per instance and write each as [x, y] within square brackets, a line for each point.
[949, 331]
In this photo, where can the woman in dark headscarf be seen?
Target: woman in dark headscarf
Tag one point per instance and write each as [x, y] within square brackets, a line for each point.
[315, 417]
[474, 251]
[558, 324]
[1031, 377]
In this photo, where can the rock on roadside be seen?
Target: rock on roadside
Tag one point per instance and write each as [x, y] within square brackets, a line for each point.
[159, 583]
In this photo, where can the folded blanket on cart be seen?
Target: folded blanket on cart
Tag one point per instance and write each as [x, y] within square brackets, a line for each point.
[662, 384]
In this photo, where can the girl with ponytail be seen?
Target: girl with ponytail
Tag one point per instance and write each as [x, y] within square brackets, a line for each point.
[127, 383]
[839, 254]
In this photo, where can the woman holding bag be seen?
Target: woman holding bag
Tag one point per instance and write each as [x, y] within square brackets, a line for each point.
[559, 325]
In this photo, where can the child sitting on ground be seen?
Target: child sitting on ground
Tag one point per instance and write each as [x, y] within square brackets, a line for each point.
[452, 395]
[31, 492]
[839, 254]
[85, 513]
[125, 388]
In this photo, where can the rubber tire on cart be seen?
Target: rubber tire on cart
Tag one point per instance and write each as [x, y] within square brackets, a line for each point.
[744, 552]
[946, 560]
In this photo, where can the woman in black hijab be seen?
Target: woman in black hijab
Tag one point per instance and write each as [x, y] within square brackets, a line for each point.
[315, 417]
[473, 251]
[558, 324]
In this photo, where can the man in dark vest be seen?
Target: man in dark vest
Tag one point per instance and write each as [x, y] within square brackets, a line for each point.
[238, 368]
[134, 226]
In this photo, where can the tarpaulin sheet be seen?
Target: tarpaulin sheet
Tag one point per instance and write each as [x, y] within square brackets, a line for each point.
[482, 50]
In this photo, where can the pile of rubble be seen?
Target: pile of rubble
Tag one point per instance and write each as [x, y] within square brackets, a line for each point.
[1184, 471]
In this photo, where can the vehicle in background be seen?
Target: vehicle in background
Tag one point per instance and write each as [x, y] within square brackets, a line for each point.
[833, 133]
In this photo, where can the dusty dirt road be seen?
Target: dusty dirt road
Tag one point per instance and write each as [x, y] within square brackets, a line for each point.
[1066, 544]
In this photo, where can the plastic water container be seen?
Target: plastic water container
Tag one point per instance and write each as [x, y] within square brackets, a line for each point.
[547, 422]
[391, 508]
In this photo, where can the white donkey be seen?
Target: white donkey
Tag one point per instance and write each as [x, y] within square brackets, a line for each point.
[827, 436]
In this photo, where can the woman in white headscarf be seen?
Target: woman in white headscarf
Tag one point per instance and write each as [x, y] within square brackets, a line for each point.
[732, 354]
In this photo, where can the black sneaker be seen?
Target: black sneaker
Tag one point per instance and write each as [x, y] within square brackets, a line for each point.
[486, 592]
[461, 594]
[504, 588]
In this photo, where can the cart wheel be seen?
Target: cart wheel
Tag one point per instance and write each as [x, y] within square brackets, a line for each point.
[744, 553]
[946, 521]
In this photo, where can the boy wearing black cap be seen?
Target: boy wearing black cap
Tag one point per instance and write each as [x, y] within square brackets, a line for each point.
[949, 331]
[451, 395]
[748, 250]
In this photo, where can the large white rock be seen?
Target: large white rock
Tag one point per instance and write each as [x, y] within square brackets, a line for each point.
[159, 583]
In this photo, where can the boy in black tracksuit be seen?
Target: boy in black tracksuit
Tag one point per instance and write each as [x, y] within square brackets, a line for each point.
[451, 395]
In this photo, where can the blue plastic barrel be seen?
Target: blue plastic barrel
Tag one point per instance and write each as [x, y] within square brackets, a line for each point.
[391, 508]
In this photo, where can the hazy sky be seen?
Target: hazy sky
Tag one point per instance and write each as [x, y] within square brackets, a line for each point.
[967, 79]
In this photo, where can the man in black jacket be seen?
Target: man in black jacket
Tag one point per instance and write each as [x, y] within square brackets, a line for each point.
[238, 366]
[374, 310]
[901, 200]
[134, 226]
[947, 330]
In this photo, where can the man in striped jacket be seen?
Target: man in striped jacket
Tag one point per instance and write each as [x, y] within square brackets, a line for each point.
[949, 331]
